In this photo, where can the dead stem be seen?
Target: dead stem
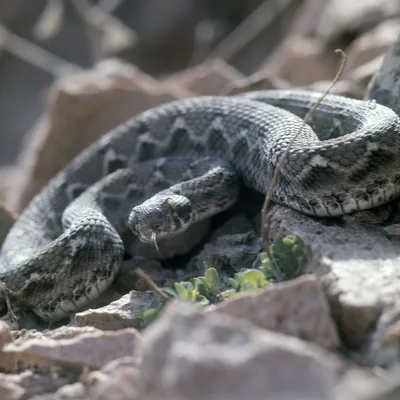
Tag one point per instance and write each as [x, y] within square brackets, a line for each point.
[265, 220]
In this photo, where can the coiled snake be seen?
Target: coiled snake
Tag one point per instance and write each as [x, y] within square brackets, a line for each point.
[180, 162]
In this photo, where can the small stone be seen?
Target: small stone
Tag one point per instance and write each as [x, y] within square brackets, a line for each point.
[123, 313]
[7, 361]
[92, 349]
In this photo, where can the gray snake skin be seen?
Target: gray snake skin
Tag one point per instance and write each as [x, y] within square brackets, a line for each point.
[181, 162]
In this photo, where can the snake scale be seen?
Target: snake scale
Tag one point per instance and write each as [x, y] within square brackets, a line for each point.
[181, 162]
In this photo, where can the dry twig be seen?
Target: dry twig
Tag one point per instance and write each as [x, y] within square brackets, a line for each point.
[252, 26]
[35, 55]
[265, 221]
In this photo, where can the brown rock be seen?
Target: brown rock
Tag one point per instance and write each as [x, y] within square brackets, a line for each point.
[213, 356]
[119, 383]
[261, 80]
[32, 383]
[119, 386]
[296, 308]
[362, 75]
[7, 361]
[123, 313]
[11, 391]
[209, 78]
[341, 17]
[302, 61]
[64, 332]
[372, 44]
[92, 349]
[74, 391]
[7, 219]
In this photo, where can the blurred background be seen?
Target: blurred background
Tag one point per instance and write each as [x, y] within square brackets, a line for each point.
[175, 47]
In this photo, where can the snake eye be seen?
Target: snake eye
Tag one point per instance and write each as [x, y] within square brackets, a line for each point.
[170, 204]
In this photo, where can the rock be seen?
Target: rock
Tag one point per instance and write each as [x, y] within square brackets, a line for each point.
[11, 391]
[359, 383]
[296, 308]
[74, 391]
[261, 80]
[7, 219]
[117, 380]
[91, 349]
[212, 77]
[63, 332]
[29, 383]
[82, 108]
[302, 61]
[120, 386]
[229, 253]
[372, 44]
[213, 356]
[120, 363]
[358, 267]
[232, 247]
[7, 361]
[361, 76]
[340, 17]
[385, 86]
[123, 313]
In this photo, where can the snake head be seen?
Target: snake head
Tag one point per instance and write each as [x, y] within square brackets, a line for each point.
[162, 216]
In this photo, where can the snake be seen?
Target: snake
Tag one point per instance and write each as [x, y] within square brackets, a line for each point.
[182, 162]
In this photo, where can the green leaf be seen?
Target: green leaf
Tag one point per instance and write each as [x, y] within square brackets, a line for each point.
[242, 281]
[228, 293]
[181, 290]
[170, 292]
[211, 276]
[150, 315]
[256, 278]
[202, 300]
[234, 283]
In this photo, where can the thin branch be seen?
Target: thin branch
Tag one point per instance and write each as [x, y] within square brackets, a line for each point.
[50, 20]
[35, 55]
[106, 34]
[265, 221]
[151, 283]
[252, 26]
[8, 303]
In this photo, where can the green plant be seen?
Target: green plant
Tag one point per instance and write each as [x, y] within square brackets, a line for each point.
[250, 279]
[290, 254]
[151, 313]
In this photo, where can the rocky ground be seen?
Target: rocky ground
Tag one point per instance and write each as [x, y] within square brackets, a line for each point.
[331, 331]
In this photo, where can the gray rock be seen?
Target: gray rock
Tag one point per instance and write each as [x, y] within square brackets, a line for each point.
[231, 248]
[297, 308]
[358, 265]
[385, 86]
[191, 355]
[123, 313]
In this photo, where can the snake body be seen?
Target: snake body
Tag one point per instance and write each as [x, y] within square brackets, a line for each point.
[179, 163]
